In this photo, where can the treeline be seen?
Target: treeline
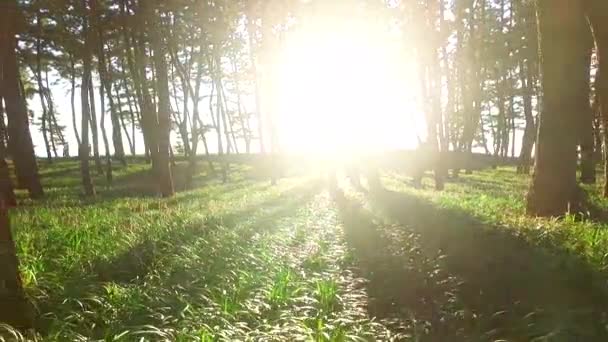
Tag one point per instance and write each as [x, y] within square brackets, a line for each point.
[202, 69]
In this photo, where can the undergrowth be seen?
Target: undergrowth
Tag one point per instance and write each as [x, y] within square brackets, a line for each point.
[247, 261]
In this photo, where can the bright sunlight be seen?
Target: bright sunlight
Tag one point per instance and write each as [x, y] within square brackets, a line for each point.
[349, 89]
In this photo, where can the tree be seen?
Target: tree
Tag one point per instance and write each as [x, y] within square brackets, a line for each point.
[20, 140]
[597, 15]
[6, 184]
[163, 168]
[12, 301]
[84, 149]
[563, 32]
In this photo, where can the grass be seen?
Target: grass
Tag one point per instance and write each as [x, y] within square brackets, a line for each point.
[244, 260]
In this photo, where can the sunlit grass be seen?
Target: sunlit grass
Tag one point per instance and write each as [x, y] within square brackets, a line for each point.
[244, 260]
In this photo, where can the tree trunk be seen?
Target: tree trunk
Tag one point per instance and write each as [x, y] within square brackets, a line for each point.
[13, 305]
[72, 98]
[258, 112]
[164, 117]
[244, 123]
[20, 144]
[6, 185]
[122, 122]
[104, 134]
[54, 129]
[597, 15]
[93, 123]
[38, 74]
[13, 309]
[132, 144]
[586, 140]
[562, 29]
[84, 150]
[226, 117]
[215, 116]
[106, 83]
[525, 154]
[196, 134]
[149, 121]
[181, 120]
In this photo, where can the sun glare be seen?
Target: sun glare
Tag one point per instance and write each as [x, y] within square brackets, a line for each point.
[346, 91]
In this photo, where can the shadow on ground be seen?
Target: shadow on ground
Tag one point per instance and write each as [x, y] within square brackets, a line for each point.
[133, 266]
[443, 275]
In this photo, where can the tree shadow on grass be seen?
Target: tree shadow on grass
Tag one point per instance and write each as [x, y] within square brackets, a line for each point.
[466, 280]
[134, 265]
[64, 190]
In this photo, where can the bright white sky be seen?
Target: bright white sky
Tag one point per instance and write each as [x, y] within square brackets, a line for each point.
[335, 91]
[346, 90]
[338, 88]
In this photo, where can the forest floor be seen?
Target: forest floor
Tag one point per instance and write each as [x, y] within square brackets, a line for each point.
[247, 261]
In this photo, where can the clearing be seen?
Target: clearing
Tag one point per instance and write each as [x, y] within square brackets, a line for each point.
[244, 260]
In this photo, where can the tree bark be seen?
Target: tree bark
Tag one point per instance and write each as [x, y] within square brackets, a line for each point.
[54, 129]
[20, 143]
[562, 29]
[13, 305]
[104, 134]
[84, 150]
[122, 122]
[597, 17]
[6, 185]
[13, 309]
[525, 154]
[164, 117]
[72, 98]
[38, 75]
[586, 140]
[106, 83]
[93, 121]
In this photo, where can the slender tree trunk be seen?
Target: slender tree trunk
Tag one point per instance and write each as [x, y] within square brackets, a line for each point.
[132, 115]
[562, 30]
[196, 134]
[182, 121]
[122, 122]
[94, 129]
[104, 134]
[54, 130]
[106, 83]
[137, 72]
[72, 98]
[258, 113]
[525, 154]
[586, 122]
[226, 117]
[3, 130]
[513, 127]
[244, 123]
[149, 121]
[38, 73]
[84, 150]
[221, 115]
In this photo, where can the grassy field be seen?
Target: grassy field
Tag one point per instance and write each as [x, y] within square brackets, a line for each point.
[247, 261]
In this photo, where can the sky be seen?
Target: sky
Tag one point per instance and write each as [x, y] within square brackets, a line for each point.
[352, 86]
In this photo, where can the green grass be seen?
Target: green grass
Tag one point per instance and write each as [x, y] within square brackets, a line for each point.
[245, 260]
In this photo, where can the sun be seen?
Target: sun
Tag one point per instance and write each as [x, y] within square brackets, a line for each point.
[344, 92]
